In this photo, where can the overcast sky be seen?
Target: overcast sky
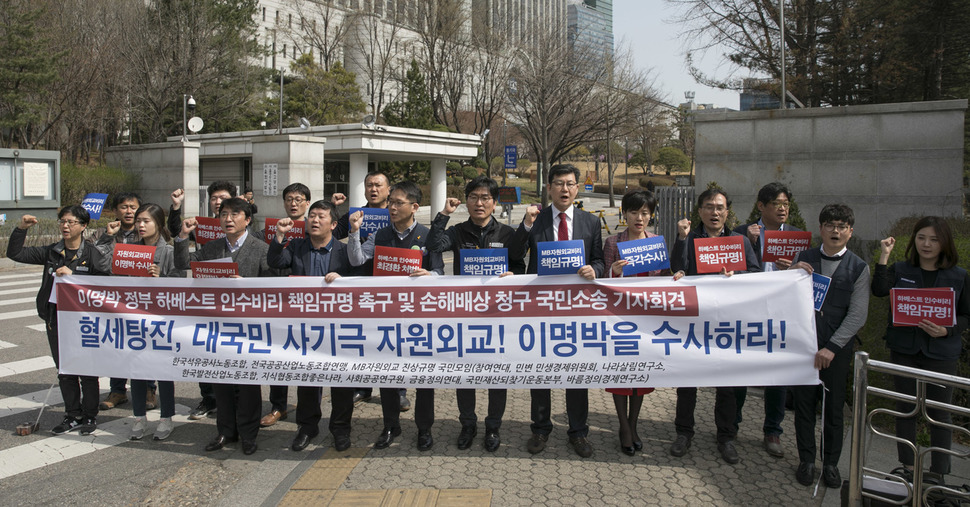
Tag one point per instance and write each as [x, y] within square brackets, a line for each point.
[645, 26]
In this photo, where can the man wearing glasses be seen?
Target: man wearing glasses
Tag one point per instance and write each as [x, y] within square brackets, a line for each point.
[844, 312]
[296, 201]
[560, 222]
[714, 208]
[774, 201]
[404, 232]
[481, 230]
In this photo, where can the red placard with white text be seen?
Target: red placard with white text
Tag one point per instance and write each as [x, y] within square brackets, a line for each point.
[937, 305]
[390, 261]
[208, 230]
[784, 244]
[269, 231]
[712, 254]
[132, 260]
[214, 269]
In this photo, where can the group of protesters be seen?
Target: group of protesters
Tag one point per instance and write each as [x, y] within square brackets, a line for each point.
[930, 261]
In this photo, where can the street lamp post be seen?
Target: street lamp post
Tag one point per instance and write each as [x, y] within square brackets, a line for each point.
[188, 102]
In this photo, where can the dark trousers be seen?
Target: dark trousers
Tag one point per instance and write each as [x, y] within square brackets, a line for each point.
[906, 426]
[208, 392]
[118, 385]
[166, 397]
[725, 412]
[341, 410]
[277, 397]
[774, 408]
[79, 392]
[423, 408]
[391, 407]
[806, 400]
[577, 411]
[308, 413]
[496, 408]
[238, 409]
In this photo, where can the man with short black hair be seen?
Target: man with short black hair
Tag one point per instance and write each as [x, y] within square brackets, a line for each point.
[560, 222]
[481, 230]
[844, 312]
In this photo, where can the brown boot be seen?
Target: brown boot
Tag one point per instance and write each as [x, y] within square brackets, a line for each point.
[113, 400]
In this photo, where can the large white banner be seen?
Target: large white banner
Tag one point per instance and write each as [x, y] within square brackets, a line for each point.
[446, 332]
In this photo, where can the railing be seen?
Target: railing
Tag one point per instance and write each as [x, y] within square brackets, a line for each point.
[862, 429]
[674, 203]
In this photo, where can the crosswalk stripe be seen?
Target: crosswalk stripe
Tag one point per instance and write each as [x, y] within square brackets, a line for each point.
[38, 327]
[17, 301]
[32, 401]
[6, 345]
[18, 315]
[18, 291]
[27, 457]
[35, 283]
[25, 366]
[20, 275]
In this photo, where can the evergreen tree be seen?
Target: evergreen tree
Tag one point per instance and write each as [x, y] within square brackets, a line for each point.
[322, 97]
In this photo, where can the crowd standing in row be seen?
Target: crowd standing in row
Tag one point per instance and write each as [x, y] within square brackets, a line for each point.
[931, 261]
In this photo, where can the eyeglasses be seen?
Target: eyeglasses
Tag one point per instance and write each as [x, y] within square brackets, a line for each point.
[564, 184]
[228, 214]
[830, 227]
[72, 223]
[294, 200]
[781, 204]
[710, 208]
[484, 198]
[397, 204]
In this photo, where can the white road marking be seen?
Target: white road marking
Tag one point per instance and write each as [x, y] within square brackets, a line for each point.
[6, 345]
[38, 327]
[55, 449]
[27, 402]
[25, 366]
[18, 315]
[17, 301]
[18, 291]
[32, 274]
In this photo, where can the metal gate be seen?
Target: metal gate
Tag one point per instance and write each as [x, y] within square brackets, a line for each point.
[674, 203]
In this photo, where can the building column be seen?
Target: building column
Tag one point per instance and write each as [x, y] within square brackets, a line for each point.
[358, 171]
[439, 185]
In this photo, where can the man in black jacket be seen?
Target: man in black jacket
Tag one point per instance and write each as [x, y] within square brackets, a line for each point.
[70, 255]
[316, 254]
[481, 230]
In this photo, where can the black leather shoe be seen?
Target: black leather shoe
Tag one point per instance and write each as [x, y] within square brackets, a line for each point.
[300, 441]
[386, 438]
[680, 446]
[492, 441]
[466, 436]
[805, 475]
[729, 452]
[637, 443]
[341, 442]
[361, 396]
[831, 476]
[582, 446]
[629, 451]
[219, 442]
[536, 443]
[424, 440]
[248, 447]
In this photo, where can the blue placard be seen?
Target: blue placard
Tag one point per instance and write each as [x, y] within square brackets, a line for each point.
[374, 220]
[511, 156]
[483, 261]
[820, 287]
[647, 254]
[561, 257]
[94, 203]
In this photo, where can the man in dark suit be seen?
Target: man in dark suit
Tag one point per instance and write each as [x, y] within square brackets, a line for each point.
[560, 222]
[238, 406]
[404, 232]
[714, 206]
[317, 254]
[774, 201]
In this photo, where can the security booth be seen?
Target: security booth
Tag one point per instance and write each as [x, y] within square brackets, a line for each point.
[29, 183]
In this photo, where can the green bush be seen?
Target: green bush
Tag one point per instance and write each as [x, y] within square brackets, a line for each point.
[874, 332]
[469, 172]
[78, 181]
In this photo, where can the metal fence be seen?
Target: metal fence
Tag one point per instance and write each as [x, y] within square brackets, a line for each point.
[674, 203]
[869, 484]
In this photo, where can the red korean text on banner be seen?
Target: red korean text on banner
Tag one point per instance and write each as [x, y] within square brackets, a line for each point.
[784, 244]
[910, 306]
[214, 269]
[208, 230]
[269, 231]
[712, 254]
[390, 261]
[132, 260]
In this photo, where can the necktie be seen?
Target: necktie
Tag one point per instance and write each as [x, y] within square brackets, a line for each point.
[563, 229]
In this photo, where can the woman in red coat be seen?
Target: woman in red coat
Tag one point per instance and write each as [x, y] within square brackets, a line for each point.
[637, 208]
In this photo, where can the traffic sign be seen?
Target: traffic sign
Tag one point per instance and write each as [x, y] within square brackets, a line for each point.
[511, 157]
